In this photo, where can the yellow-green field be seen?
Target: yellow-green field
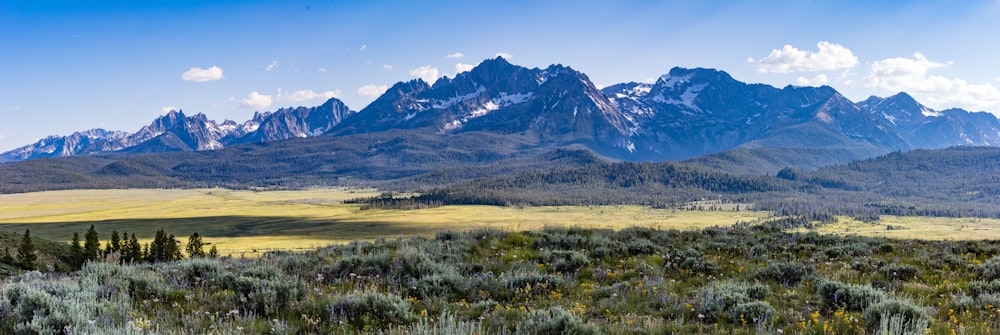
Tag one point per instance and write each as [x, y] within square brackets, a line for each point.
[248, 222]
[917, 227]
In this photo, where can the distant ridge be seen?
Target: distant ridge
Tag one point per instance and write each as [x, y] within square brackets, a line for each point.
[685, 113]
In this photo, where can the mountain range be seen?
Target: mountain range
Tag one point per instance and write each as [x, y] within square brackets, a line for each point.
[685, 113]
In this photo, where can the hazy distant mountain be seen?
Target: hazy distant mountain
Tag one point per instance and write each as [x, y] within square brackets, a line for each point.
[82, 142]
[176, 131]
[923, 127]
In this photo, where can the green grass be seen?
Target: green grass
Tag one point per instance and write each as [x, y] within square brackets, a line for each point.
[249, 222]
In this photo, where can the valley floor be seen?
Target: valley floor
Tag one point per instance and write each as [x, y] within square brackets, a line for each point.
[249, 222]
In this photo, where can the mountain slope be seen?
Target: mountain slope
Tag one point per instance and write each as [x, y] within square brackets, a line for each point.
[926, 128]
[691, 112]
[78, 143]
[555, 106]
[176, 131]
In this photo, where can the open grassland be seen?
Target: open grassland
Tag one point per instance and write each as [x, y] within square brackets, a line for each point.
[916, 227]
[249, 222]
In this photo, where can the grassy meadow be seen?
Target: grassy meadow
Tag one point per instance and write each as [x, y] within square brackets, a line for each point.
[251, 222]
[498, 270]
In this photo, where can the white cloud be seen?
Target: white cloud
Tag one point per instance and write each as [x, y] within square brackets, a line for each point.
[912, 75]
[372, 91]
[827, 57]
[387, 67]
[303, 95]
[363, 47]
[322, 69]
[257, 100]
[818, 80]
[428, 73]
[460, 67]
[167, 109]
[4, 137]
[457, 55]
[271, 66]
[504, 55]
[201, 75]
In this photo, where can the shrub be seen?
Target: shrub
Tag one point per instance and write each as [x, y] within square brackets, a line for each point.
[895, 317]
[539, 283]
[555, 321]
[449, 285]
[990, 269]
[372, 310]
[565, 261]
[642, 247]
[851, 297]
[691, 259]
[788, 273]
[978, 287]
[754, 311]
[899, 271]
[722, 299]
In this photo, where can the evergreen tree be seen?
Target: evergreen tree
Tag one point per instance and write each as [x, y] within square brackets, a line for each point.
[158, 248]
[195, 247]
[91, 245]
[115, 244]
[173, 249]
[134, 249]
[26, 252]
[214, 252]
[76, 252]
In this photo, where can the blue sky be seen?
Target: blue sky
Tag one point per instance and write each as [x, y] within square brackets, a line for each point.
[76, 65]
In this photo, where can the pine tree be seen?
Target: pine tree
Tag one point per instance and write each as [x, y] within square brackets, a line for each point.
[195, 247]
[157, 249]
[26, 252]
[173, 249]
[134, 249]
[76, 252]
[92, 245]
[214, 252]
[115, 244]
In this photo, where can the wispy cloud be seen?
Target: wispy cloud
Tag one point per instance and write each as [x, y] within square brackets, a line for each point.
[167, 109]
[304, 95]
[363, 47]
[457, 55]
[827, 57]
[201, 75]
[428, 73]
[913, 75]
[387, 67]
[372, 91]
[322, 69]
[461, 67]
[818, 80]
[504, 55]
[271, 66]
[257, 100]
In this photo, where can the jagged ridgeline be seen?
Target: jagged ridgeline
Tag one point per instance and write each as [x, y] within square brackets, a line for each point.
[489, 134]
[683, 114]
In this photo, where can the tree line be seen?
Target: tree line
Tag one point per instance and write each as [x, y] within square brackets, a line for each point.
[125, 248]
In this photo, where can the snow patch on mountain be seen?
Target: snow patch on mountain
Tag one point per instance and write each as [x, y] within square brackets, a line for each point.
[930, 113]
[458, 99]
[686, 98]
